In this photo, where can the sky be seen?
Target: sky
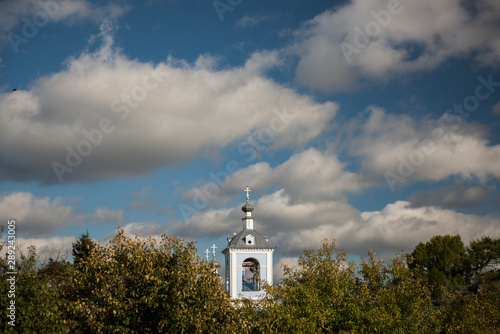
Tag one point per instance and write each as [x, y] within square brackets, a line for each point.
[372, 123]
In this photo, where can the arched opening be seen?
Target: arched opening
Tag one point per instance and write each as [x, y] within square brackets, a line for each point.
[251, 275]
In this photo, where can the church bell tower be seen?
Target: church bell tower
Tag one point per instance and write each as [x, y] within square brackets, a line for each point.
[248, 259]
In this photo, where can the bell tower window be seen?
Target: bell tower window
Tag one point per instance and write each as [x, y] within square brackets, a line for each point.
[251, 275]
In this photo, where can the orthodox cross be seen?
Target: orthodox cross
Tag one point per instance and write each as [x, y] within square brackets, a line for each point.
[213, 250]
[207, 252]
[247, 190]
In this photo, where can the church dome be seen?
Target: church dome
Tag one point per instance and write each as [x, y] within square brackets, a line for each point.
[247, 207]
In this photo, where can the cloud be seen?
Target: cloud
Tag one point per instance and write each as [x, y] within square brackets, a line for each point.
[455, 196]
[403, 149]
[39, 216]
[13, 13]
[251, 21]
[34, 216]
[53, 247]
[316, 175]
[101, 215]
[283, 212]
[378, 40]
[208, 223]
[106, 116]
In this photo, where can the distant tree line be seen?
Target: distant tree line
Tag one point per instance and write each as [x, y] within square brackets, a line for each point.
[135, 285]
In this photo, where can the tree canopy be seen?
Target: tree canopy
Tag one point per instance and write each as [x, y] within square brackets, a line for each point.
[484, 260]
[82, 249]
[442, 261]
[139, 285]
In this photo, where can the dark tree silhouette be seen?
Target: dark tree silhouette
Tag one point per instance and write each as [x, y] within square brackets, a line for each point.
[443, 263]
[82, 249]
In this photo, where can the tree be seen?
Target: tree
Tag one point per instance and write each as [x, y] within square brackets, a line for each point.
[484, 257]
[394, 299]
[469, 312]
[38, 307]
[82, 249]
[442, 261]
[317, 296]
[136, 285]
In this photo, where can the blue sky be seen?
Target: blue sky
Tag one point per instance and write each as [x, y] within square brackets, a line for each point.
[372, 123]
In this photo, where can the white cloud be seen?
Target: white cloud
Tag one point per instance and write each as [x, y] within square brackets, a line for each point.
[34, 216]
[126, 118]
[278, 211]
[424, 150]
[39, 216]
[377, 40]
[208, 223]
[316, 175]
[57, 248]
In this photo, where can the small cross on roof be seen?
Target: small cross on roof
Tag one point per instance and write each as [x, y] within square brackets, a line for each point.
[213, 249]
[207, 252]
[247, 190]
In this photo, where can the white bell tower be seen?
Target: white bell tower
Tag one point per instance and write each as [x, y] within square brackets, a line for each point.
[248, 259]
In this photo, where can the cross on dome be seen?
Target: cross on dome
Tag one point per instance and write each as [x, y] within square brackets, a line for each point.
[247, 190]
[213, 250]
[207, 252]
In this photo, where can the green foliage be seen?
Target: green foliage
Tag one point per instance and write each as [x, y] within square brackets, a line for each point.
[483, 255]
[317, 297]
[470, 313]
[127, 286]
[394, 299]
[82, 249]
[39, 309]
[442, 261]
[139, 286]
[325, 294]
